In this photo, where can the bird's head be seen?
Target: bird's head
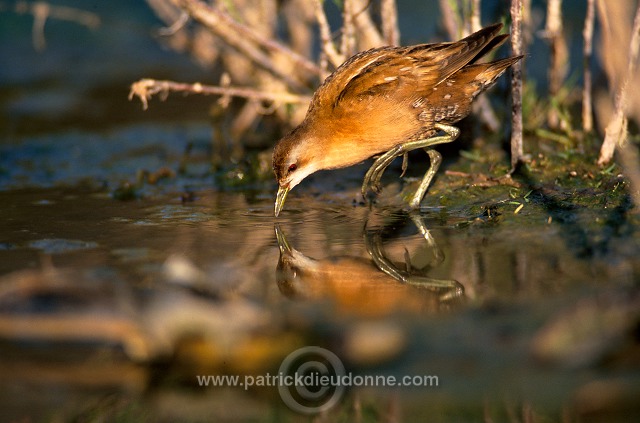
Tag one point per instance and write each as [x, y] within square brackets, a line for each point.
[293, 160]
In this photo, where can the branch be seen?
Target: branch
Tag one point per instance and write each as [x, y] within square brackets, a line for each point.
[450, 19]
[144, 89]
[517, 152]
[328, 48]
[389, 14]
[241, 38]
[616, 131]
[476, 25]
[348, 41]
[367, 33]
[559, 56]
[272, 45]
[41, 11]
[587, 50]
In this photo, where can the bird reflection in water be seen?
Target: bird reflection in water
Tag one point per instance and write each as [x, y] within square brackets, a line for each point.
[372, 287]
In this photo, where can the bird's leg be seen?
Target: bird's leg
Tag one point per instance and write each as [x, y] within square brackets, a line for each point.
[426, 234]
[374, 174]
[448, 289]
[435, 159]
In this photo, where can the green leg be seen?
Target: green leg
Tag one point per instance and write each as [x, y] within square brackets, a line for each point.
[438, 255]
[374, 174]
[435, 159]
[448, 289]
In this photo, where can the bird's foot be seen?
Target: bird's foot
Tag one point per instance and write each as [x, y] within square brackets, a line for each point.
[371, 184]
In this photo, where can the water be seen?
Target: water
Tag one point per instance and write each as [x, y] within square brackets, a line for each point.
[218, 286]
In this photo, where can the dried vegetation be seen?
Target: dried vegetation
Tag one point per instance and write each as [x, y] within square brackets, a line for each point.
[274, 54]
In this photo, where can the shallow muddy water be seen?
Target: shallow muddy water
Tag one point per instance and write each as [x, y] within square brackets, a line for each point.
[123, 304]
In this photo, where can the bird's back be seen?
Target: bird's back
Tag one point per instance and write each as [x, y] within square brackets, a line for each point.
[404, 91]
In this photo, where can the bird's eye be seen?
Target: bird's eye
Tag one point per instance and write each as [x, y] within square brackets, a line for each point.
[292, 167]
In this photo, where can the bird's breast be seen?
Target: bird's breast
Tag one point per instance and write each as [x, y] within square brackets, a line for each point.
[365, 131]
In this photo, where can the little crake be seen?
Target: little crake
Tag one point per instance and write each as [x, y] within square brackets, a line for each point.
[389, 100]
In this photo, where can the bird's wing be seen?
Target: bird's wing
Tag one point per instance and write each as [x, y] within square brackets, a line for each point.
[384, 73]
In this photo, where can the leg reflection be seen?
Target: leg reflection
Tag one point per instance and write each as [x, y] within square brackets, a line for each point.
[372, 285]
[448, 289]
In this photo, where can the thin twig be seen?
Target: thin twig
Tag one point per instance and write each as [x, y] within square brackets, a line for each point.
[176, 26]
[144, 89]
[65, 13]
[476, 24]
[616, 131]
[587, 33]
[41, 11]
[517, 151]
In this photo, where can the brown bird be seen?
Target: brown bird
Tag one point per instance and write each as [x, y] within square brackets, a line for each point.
[389, 100]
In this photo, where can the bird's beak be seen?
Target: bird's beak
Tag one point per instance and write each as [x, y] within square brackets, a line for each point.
[283, 245]
[280, 197]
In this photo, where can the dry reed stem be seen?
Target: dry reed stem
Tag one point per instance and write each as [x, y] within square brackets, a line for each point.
[144, 89]
[559, 56]
[630, 163]
[482, 107]
[450, 19]
[300, 23]
[616, 131]
[587, 34]
[348, 39]
[390, 30]
[615, 31]
[517, 151]
[475, 22]
[367, 35]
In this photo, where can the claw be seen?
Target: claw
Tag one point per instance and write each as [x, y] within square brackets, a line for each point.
[365, 192]
[405, 163]
[365, 188]
[372, 181]
[375, 180]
